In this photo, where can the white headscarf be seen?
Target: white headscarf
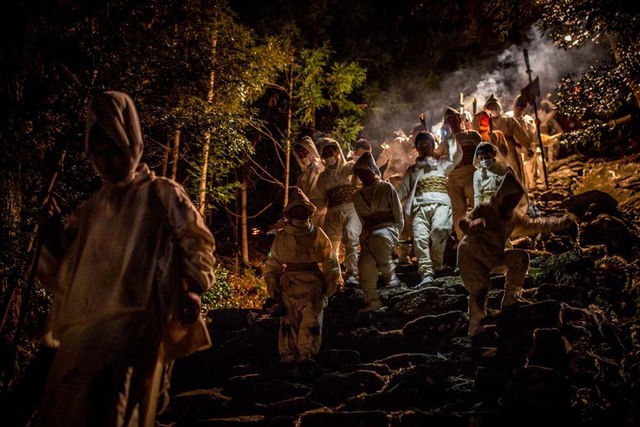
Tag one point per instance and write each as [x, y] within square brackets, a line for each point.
[116, 115]
[307, 143]
[332, 142]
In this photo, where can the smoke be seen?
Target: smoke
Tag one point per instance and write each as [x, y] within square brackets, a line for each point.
[504, 76]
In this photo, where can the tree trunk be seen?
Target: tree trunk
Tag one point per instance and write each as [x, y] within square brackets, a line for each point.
[287, 143]
[175, 154]
[165, 155]
[10, 208]
[10, 204]
[243, 216]
[202, 190]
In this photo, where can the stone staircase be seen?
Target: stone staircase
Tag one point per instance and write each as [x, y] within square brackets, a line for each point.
[572, 356]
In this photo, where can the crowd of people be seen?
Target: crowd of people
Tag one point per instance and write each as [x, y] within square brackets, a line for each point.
[471, 186]
[129, 267]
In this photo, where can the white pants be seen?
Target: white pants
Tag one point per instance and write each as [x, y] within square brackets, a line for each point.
[375, 256]
[475, 270]
[342, 225]
[301, 324]
[431, 228]
[533, 170]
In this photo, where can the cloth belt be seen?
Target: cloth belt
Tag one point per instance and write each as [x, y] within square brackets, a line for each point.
[340, 195]
[485, 194]
[301, 266]
[432, 184]
[376, 218]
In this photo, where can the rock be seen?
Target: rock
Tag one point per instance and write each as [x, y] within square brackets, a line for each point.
[454, 287]
[336, 358]
[570, 294]
[490, 381]
[486, 337]
[294, 406]
[460, 388]
[564, 243]
[202, 370]
[365, 340]
[198, 404]
[526, 318]
[342, 312]
[391, 342]
[537, 393]
[568, 268]
[375, 367]
[460, 345]
[550, 349]
[436, 331]
[248, 420]
[388, 401]
[426, 301]
[333, 388]
[257, 388]
[554, 195]
[345, 419]
[430, 377]
[411, 363]
[230, 319]
[420, 419]
[404, 360]
[590, 204]
[613, 233]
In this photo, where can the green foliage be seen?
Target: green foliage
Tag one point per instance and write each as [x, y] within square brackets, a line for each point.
[320, 82]
[508, 16]
[308, 91]
[607, 90]
[221, 293]
[347, 130]
[166, 55]
[245, 290]
[572, 23]
[582, 98]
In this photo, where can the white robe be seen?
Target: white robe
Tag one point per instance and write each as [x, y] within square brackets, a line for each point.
[377, 239]
[341, 222]
[430, 211]
[302, 292]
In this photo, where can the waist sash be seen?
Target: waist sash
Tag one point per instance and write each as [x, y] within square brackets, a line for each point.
[432, 184]
[340, 195]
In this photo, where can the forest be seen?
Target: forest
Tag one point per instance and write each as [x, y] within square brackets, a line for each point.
[225, 88]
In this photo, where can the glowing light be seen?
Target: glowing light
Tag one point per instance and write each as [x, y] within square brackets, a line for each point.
[255, 231]
[567, 38]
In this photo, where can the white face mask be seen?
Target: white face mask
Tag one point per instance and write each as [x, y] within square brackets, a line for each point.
[487, 163]
[300, 222]
[330, 161]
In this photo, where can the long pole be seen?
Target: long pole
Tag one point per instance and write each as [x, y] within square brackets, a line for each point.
[28, 289]
[535, 112]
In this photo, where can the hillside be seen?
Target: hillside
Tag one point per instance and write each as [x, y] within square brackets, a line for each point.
[573, 354]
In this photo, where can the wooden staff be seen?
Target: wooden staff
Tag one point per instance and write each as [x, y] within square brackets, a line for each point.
[37, 238]
[535, 111]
